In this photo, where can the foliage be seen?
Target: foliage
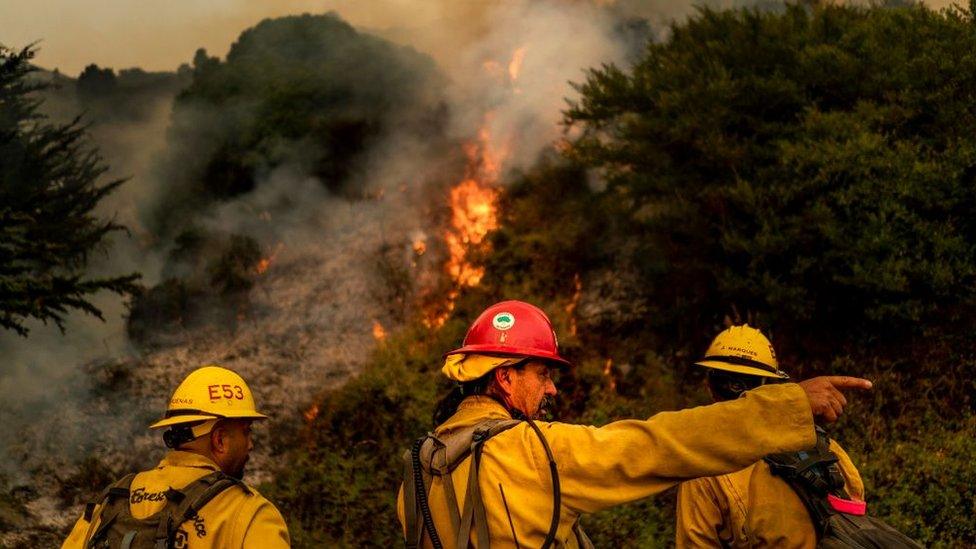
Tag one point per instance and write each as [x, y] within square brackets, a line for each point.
[307, 90]
[339, 486]
[94, 82]
[805, 165]
[921, 481]
[49, 188]
[207, 282]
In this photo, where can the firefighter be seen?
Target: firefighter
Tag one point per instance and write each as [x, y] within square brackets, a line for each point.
[751, 507]
[490, 475]
[195, 497]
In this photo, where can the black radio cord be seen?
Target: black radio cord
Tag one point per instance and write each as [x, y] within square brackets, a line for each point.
[421, 491]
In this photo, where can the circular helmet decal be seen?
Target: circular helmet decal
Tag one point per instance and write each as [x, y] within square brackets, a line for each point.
[503, 321]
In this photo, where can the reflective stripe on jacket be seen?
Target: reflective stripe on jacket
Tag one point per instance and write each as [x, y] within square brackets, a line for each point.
[623, 461]
[752, 508]
[232, 519]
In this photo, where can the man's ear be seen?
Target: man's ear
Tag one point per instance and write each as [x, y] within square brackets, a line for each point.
[503, 378]
[218, 439]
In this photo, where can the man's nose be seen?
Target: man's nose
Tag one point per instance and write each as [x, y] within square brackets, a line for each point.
[551, 388]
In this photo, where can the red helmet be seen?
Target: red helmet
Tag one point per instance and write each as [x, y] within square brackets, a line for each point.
[513, 328]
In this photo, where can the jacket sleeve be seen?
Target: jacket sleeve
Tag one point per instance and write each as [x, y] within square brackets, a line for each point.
[628, 460]
[699, 515]
[266, 530]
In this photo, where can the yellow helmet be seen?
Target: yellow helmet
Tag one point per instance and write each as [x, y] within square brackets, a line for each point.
[743, 350]
[209, 393]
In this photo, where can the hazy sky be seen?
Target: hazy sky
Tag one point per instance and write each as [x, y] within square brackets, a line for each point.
[161, 35]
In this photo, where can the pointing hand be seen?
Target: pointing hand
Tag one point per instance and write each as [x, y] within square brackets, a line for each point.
[825, 396]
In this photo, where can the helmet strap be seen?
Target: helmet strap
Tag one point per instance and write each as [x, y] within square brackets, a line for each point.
[178, 435]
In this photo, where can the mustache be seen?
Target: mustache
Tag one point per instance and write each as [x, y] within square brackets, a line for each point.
[546, 408]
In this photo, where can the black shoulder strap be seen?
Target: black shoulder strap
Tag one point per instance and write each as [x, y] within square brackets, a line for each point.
[199, 492]
[114, 498]
[183, 505]
[116, 490]
[813, 474]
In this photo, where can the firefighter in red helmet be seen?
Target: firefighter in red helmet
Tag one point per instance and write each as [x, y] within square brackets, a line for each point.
[490, 475]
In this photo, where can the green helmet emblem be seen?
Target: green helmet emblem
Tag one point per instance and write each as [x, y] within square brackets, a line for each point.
[503, 321]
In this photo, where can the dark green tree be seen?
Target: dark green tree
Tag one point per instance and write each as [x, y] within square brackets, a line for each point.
[94, 82]
[815, 165]
[307, 91]
[49, 188]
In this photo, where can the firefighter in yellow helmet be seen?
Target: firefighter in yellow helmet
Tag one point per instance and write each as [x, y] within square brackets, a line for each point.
[489, 475]
[754, 507]
[195, 497]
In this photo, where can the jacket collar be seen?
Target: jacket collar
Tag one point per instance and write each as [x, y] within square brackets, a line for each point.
[474, 410]
[179, 458]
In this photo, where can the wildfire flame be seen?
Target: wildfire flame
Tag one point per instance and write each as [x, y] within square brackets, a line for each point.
[311, 413]
[474, 202]
[265, 262]
[608, 373]
[379, 333]
[473, 216]
[419, 247]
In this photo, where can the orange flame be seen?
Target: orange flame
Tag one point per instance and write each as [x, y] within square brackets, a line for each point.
[608, 373]
[379, 333]
[474, 202]
[265, 262]
[311, 413]
[515, 65]
[419, 247]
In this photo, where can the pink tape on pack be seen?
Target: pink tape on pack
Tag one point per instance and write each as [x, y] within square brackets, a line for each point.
[848, 506]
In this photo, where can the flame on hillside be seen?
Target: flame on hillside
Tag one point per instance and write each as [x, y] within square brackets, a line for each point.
[608, 373]
[474, 203]
[265, 262]
[311, 413]
[379, 333]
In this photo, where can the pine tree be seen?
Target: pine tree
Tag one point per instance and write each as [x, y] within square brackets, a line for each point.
[49, 187]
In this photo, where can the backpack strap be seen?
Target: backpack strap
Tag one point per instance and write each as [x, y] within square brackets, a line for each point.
[189, 501]
[198, 493]
[438, 456]
[108, 499]
[814, 476]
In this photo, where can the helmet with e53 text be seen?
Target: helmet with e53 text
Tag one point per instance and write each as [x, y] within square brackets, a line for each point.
[209, 393]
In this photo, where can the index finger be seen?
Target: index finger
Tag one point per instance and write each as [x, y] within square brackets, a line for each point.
[848, 382]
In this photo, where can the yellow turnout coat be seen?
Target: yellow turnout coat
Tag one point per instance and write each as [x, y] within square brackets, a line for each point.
[752, 508]
[233, 519]
[623, 461]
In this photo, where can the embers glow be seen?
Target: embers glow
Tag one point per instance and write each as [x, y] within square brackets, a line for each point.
[262, 265]
[379, 333]
[265, 262]
[311, 413]
[419, 247]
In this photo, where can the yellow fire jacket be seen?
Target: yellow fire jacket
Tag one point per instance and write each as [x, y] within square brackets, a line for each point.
[623, 461]
[752, 508]
[232, 519]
